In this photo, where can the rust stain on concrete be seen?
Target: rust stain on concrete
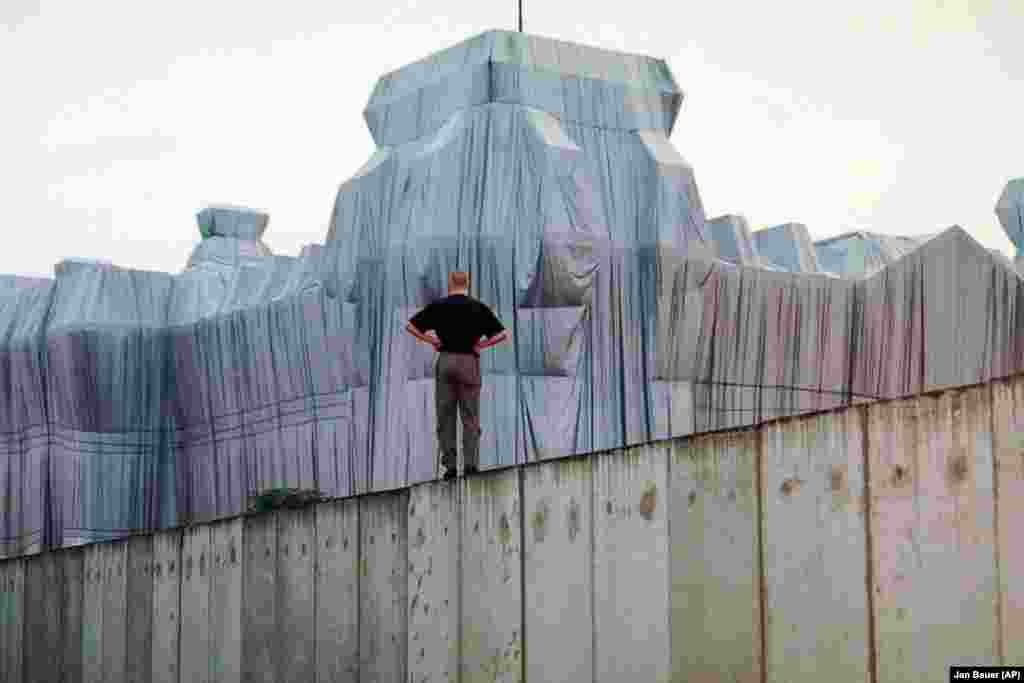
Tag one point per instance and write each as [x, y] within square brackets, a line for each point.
[837, 479]
[839, 487]
[791, 486]
[648, 500]
[957, 469]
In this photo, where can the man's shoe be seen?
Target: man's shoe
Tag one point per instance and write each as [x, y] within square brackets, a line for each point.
[470, 469]
[450, 473]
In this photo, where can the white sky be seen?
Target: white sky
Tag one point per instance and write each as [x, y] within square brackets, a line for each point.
[122, 119]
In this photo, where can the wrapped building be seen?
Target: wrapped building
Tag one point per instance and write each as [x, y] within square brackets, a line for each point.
[134, 400]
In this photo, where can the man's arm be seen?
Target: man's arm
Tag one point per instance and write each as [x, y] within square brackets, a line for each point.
[491, 341]
[433, 341]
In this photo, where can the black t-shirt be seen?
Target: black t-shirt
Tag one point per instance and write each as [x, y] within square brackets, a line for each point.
[459, 322]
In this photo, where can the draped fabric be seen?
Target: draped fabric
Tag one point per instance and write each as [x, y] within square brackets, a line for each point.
[1010, 209]
[863, 253]
[788, 247]
[134, 400]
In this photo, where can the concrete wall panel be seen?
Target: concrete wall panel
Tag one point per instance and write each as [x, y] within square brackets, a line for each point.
[103, 627]
[434, 582]
[815, 543]
[383, 584]
[296, 595]
[139, 610]
[44, 590]
[259, 599]
[71, 627]
[92, 615]
[50, 626]
[195, 605]
[631, 565]
[931, 469]
[115, 591]
[12, 618]
[74, 596]
[166, 606]
[716, 578]
[492, 629]
[558, 570]
[225, 566]
[337, 591]
[1008, 433]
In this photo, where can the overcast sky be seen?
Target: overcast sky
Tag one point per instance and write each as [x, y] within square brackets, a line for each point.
[121, 119]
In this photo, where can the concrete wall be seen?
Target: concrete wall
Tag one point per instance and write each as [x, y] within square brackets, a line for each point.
[868, 544]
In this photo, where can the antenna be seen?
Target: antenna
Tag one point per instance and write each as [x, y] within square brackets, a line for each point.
[520, 16]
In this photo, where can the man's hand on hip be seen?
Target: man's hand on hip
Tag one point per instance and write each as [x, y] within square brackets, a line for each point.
[428, 337]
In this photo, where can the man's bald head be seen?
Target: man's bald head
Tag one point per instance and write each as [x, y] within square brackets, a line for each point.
[458, 281]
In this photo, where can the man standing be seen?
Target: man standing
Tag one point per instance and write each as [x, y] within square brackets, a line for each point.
[458, 322]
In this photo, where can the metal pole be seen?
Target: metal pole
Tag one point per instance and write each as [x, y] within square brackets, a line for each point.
[520, 16]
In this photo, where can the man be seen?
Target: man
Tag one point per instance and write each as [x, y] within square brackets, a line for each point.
[458, 322]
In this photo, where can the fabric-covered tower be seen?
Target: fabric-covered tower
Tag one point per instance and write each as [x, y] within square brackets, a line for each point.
[544, 169]
[1010, 210]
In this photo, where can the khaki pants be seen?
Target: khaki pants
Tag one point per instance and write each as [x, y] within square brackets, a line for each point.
[457, 387]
